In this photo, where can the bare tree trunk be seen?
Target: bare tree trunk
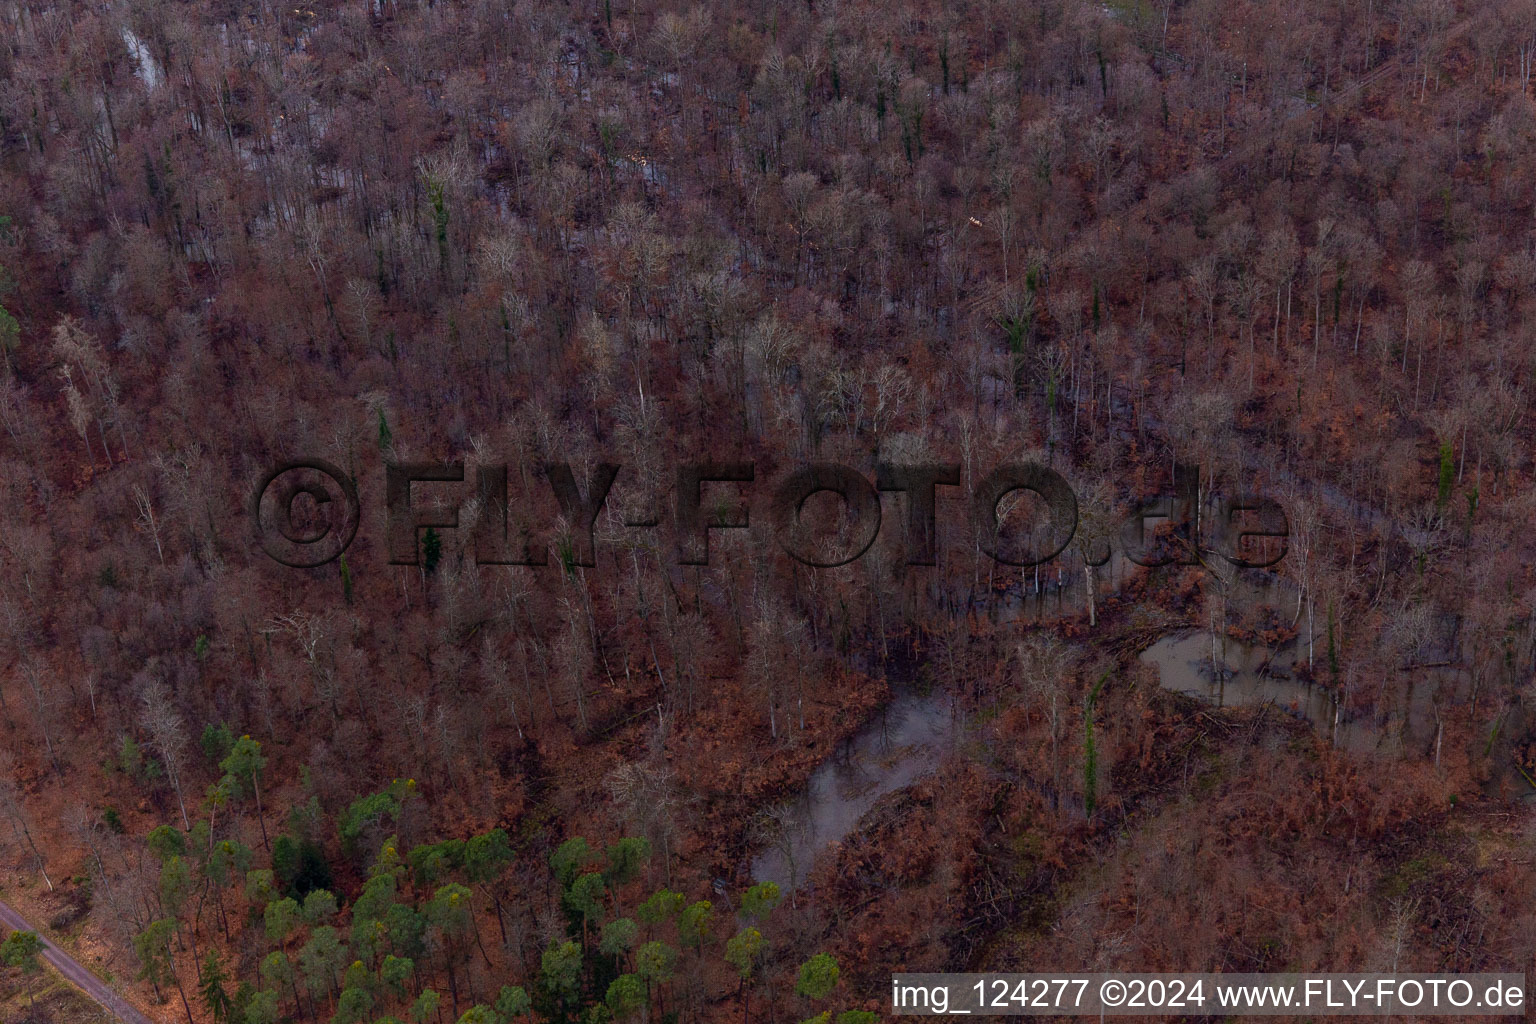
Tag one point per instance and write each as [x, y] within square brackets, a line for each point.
[1093, 618]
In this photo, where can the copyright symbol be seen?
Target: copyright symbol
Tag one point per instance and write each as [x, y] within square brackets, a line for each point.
[305, 513]
[1112, 992]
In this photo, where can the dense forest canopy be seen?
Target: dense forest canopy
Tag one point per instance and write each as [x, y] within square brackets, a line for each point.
[1281, 248]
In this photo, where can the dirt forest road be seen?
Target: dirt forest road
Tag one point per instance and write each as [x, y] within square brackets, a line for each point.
[76, 974]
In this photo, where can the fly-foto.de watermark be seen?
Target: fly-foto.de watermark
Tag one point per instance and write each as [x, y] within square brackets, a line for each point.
[306, 512]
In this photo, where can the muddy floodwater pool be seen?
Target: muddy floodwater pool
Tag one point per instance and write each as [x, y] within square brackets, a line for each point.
[1229, 673]
[905, 740]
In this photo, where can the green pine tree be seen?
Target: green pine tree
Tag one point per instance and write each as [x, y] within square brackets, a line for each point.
[215, 997]
[431, 550]
[818, 976]
[1090, 753]
[10, 337]
[20, 950]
